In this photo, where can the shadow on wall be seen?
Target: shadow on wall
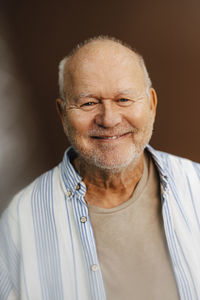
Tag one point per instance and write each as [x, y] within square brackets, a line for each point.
[18, 134]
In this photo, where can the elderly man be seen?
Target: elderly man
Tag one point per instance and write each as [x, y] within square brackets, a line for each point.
[116, 219]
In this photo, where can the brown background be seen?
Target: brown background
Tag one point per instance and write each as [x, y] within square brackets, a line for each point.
[35, 35]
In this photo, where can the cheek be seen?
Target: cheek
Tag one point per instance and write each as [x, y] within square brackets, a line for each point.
[138, 117]
[80, 123]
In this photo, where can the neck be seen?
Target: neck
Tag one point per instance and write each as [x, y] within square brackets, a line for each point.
[107, 188]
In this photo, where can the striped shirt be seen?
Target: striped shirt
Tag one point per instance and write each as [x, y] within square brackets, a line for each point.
[47, 246]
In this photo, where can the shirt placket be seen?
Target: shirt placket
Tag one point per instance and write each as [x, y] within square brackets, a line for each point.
[183, 284]
[81, 215]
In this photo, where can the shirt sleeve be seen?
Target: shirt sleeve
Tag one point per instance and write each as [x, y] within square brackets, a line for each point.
[9, 258]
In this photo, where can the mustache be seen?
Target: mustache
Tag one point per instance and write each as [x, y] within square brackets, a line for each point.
[112, 132]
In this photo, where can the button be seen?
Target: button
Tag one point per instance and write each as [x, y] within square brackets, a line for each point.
[69, 193]
[83, 219]
[78, 187]
[94, 268]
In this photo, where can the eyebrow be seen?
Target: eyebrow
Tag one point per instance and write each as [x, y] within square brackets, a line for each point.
[85, 95]
[125, 92]
[120, 92]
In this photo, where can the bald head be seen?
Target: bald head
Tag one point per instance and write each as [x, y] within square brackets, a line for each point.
[101, 53]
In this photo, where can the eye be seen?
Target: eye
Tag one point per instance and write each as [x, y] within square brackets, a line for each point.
[124, 101]
[88, 105]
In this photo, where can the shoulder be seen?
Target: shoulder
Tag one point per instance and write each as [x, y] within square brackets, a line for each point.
[173, 164]
[42, 186]
[31, 203]
[179, 175]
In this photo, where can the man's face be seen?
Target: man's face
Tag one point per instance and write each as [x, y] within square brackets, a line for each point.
[114, 119]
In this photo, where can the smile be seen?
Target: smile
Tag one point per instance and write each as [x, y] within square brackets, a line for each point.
[113, 137]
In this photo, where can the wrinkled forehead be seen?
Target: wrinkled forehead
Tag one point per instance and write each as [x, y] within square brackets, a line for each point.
[103, 66]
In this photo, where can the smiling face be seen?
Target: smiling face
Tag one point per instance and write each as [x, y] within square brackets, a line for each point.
[108, 118]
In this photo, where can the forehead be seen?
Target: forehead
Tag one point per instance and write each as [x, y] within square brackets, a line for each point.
[104, 69]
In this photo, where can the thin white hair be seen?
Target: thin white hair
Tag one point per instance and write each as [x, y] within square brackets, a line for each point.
[63, 62]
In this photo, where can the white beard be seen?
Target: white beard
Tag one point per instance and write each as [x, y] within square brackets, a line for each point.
[112, 162]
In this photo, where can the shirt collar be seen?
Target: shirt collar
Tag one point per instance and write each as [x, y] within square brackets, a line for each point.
[72, 180]
[159, 158]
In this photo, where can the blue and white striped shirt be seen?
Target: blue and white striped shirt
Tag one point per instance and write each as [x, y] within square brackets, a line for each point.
[47, 246]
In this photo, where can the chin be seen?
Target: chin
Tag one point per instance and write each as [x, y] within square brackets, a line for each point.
[111, 162]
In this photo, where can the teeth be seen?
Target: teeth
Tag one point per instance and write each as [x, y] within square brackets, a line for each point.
[112, 137]
[109, 137]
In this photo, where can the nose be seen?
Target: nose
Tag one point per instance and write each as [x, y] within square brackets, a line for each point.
[108, 115]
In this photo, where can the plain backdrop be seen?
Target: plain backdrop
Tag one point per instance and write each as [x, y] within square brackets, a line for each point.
[36, 35]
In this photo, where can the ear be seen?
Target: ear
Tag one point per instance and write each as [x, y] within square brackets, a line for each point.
[153, 101]
[60, 106]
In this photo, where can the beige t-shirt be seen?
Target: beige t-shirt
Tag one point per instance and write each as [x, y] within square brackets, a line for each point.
[131, 244]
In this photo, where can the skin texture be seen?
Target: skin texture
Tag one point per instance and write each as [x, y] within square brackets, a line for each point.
[108, 133]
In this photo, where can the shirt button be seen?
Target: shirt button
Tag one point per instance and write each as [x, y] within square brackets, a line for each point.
[94, 268]
[69, 193]
[83, 219]
[78, 187]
